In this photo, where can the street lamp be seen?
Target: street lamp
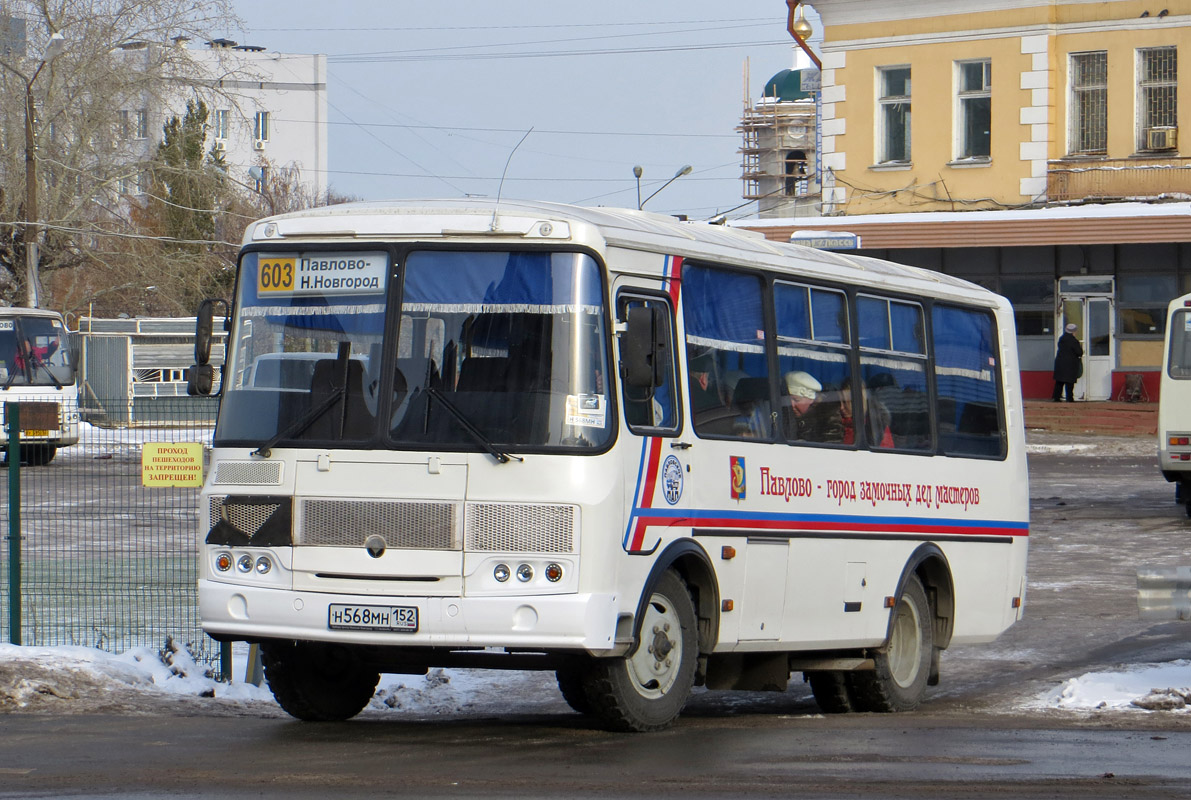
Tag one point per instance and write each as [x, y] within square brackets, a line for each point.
[637, 174]
[53, 49]
[686, 170]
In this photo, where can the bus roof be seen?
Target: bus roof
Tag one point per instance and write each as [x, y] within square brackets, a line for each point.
[481, 218]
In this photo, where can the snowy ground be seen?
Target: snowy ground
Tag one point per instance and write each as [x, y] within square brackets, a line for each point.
[146, 681]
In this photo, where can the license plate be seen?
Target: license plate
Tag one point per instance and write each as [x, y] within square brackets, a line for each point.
[37, 433]
[398, 619]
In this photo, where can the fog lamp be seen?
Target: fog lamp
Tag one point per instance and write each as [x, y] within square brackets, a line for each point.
[263, 565]
[525, 573]
[501, 573]
[244, 563]
[553, 573]
[223, 562]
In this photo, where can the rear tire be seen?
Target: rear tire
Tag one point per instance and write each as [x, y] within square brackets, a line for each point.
[646, 690]
[572, 685]
[831, 691]
[318, 682]
[903, 664]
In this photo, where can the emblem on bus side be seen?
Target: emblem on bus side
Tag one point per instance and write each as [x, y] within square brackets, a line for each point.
[671, 480]
[739, 483]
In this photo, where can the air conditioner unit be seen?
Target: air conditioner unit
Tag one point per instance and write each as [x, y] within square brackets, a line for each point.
[220, 146]
[1164, 138]
[259, 144]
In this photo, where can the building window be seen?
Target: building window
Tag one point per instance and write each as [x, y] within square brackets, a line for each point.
[1157, 105]
[222, 123]
[260, 126]
[1089, 103]
[974, 97]
[893, 114]
[1141, 303]
[134, 124]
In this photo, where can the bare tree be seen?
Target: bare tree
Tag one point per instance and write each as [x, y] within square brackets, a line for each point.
[123, 62]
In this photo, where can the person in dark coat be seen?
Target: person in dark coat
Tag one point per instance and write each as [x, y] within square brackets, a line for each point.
[1068, 365]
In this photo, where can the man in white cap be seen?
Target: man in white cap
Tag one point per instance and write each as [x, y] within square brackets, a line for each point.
[1068, 364]
[808, 417]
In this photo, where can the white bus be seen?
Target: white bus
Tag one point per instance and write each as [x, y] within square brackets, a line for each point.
[37, 371]
[609, 444]
[1174, 401]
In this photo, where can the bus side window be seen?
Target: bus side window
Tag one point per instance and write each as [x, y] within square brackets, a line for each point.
[653, 407]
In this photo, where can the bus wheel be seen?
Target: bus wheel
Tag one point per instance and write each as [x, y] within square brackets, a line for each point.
[572, 682]
[903, 664]
[831, 691]
[318, 683]
[645, 690]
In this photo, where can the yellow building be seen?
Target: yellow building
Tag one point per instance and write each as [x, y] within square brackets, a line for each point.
[948, 106]
[1032, 147]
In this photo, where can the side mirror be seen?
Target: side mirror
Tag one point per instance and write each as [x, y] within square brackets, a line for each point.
[204, 328]
[200, 379]
[643, 347]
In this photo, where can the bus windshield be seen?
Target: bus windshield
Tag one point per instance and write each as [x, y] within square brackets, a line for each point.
[33, 352]
[486, 349]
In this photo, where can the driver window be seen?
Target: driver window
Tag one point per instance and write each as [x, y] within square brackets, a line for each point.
[647, 410]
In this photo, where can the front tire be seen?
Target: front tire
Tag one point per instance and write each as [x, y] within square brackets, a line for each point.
[646, 690]
[903, 664]
[318, 682]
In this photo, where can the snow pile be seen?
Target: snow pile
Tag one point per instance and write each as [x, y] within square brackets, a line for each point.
[146, 681]
[1140, 686]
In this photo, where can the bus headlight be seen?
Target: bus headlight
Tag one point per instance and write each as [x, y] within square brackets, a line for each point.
[525, 573]
[501, 573]
[263, 565]
[244, 563]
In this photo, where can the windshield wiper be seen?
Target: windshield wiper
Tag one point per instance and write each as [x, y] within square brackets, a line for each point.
[475, 432]
[36, 362]
[338, 393]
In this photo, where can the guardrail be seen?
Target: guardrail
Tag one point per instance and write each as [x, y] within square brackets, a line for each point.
[1164, 592]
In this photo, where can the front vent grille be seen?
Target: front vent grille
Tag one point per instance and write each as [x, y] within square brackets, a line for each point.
[404, 525]
[245, 514]
[508, 527]
[258, 473]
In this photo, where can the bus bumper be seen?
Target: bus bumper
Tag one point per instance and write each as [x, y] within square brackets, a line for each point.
[547, 622]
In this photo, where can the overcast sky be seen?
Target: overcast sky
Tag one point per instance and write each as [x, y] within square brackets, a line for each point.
[428, 99]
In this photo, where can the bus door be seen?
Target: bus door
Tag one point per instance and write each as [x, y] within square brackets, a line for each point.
[1087, 302]
[656, 461]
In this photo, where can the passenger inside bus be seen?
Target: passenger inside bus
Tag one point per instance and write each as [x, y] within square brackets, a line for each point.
[875, 417]
[705, 392]
[811, 414]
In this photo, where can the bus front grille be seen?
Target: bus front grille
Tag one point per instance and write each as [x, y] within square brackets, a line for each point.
[260, 473]
[416, 525]
[510, 527]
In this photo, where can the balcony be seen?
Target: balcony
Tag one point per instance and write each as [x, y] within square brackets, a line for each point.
[1074, 180]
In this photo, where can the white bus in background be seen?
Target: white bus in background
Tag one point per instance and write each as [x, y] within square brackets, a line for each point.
[642, 453]
[37, 371]
[1174, 401]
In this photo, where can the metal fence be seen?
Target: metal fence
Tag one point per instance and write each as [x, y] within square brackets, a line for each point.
[100, 559]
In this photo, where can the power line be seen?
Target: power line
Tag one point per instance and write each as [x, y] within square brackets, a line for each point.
[554, 132]
[554, 26]
[387, 59]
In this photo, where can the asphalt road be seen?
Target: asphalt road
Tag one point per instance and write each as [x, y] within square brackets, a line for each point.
[1096, 517]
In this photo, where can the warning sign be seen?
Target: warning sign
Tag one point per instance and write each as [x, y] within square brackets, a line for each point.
[165, 464]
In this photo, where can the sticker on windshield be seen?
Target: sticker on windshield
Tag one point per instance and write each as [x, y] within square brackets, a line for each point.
[586, 410]
[321, 274]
